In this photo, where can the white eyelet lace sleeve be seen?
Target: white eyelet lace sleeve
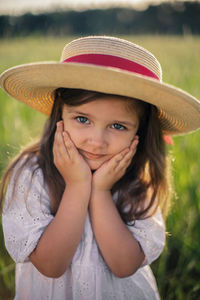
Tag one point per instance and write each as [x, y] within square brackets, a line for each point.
[150, 233]
[26, 215]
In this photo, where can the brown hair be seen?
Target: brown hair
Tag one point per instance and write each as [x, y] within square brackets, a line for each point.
[145, 178]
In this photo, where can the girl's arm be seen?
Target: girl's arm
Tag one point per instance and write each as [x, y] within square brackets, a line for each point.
[119, 248]
[57, 245]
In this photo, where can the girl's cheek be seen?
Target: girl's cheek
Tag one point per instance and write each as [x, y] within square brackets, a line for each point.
[76, 138]
[120, 145]
[129, 140]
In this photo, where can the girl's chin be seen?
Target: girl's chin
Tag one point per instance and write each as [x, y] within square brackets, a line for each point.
[94, 164]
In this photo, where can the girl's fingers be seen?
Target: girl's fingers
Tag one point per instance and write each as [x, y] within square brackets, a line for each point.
[60, 126]
[59, 146]
[71, 149]
[120, 156]
[113, 163]
[124, 158]
[125, 161]
[134, 142]
[65, 145]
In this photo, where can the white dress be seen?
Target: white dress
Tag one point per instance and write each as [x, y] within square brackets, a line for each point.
[88, 277]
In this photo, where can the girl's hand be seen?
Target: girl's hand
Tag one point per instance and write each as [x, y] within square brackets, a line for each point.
[112, 170]
[68, 160]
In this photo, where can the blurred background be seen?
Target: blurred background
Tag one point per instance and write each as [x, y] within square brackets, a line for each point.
[36, 30]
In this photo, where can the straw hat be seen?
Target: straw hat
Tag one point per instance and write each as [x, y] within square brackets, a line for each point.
[109, 65]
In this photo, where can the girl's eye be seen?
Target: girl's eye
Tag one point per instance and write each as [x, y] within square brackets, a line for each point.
[83, 120]
[118, 126]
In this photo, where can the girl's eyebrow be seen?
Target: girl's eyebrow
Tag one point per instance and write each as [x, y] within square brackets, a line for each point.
[78, 112]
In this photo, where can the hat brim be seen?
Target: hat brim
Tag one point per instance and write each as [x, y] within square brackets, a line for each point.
[34, 84]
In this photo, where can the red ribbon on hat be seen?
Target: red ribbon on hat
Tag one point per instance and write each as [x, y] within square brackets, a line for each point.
[112, 61]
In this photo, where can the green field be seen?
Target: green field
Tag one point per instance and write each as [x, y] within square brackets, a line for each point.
[178, 269]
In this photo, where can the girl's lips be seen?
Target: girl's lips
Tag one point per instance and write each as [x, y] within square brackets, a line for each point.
[91, 155]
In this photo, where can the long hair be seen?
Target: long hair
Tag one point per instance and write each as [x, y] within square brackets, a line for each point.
[145, 178]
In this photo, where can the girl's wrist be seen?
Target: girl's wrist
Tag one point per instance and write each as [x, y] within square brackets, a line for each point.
[99, 184]
[79, 184]
[101, 187]
[82, 181]
[83, 188]
[100, 191]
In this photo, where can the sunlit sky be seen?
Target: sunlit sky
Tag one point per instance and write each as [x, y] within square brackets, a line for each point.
[21, 6]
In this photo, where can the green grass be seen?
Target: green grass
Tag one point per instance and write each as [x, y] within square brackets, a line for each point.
[178, 269]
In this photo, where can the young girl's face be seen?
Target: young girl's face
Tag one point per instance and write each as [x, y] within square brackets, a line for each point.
[101, 128]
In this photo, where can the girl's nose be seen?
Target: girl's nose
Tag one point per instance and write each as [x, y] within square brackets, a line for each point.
[97, 138]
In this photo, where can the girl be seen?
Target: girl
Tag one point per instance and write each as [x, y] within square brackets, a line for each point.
[81, 216]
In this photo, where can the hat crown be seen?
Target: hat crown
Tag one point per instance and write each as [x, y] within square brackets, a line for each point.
[115, 47]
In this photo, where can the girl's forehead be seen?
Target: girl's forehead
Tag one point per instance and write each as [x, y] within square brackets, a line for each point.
[108, 105]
